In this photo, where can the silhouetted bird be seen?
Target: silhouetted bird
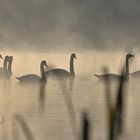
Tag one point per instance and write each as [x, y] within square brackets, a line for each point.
[6, 69]
[115, 76]
[10, 66]
[33, 77]
[62, 72]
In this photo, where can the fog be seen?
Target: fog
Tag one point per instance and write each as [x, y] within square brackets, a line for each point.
[28, 110]
[87, 63]
[67, 25]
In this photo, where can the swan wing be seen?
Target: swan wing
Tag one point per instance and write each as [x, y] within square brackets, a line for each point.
[29, 78]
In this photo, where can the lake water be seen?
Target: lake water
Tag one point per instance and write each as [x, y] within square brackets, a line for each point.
[53, 111]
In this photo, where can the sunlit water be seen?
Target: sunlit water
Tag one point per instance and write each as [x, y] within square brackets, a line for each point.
[53, 111]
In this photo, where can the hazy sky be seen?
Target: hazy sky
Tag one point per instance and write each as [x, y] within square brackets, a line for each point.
[42, 25]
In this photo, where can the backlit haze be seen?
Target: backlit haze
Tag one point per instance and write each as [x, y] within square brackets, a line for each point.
[68, 25]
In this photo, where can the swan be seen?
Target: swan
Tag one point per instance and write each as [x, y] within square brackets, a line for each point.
[62, 72]
[33, 77]
[10, 66]
[4, 69]
[115, 76]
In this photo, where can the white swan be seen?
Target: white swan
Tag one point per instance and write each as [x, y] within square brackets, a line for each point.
[4, 69]
[62, 72]
[33, 77]
[115, 76]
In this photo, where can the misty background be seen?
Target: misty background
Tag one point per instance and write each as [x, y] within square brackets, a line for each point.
[45, 25]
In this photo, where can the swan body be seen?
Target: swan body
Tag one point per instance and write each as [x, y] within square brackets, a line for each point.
[62, 72]
[58, 72]
[34, 77]
[29, 78]
[111, 76]
[135, 74]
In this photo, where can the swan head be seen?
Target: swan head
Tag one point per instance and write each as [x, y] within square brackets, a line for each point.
[129, 55]
[44, 63]
[11, 59]
[73, 55]
[6, 58]
[1, 56]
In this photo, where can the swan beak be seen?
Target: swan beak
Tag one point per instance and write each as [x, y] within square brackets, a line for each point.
[132, 55]
[1, 57]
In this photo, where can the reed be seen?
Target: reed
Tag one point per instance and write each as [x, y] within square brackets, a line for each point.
[115, 112]
[70, 107]
[85, 126]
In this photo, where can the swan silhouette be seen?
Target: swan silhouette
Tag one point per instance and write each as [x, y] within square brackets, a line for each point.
[62, 72]
[4, 70]
[10, 66]
[115, 76]
[33, 77]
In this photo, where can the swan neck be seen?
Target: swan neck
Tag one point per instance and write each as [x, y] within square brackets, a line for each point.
[127, 67]
[5, 64]
[72, 66]
[10, 68]
[42, 72]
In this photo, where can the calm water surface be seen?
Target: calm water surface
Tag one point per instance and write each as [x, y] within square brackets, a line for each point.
[53, 111]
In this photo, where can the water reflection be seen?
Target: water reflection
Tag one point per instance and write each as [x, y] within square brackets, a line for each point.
[53, 110]
[71, 84]
[70, 106]
[42, 96]
[24, 126]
